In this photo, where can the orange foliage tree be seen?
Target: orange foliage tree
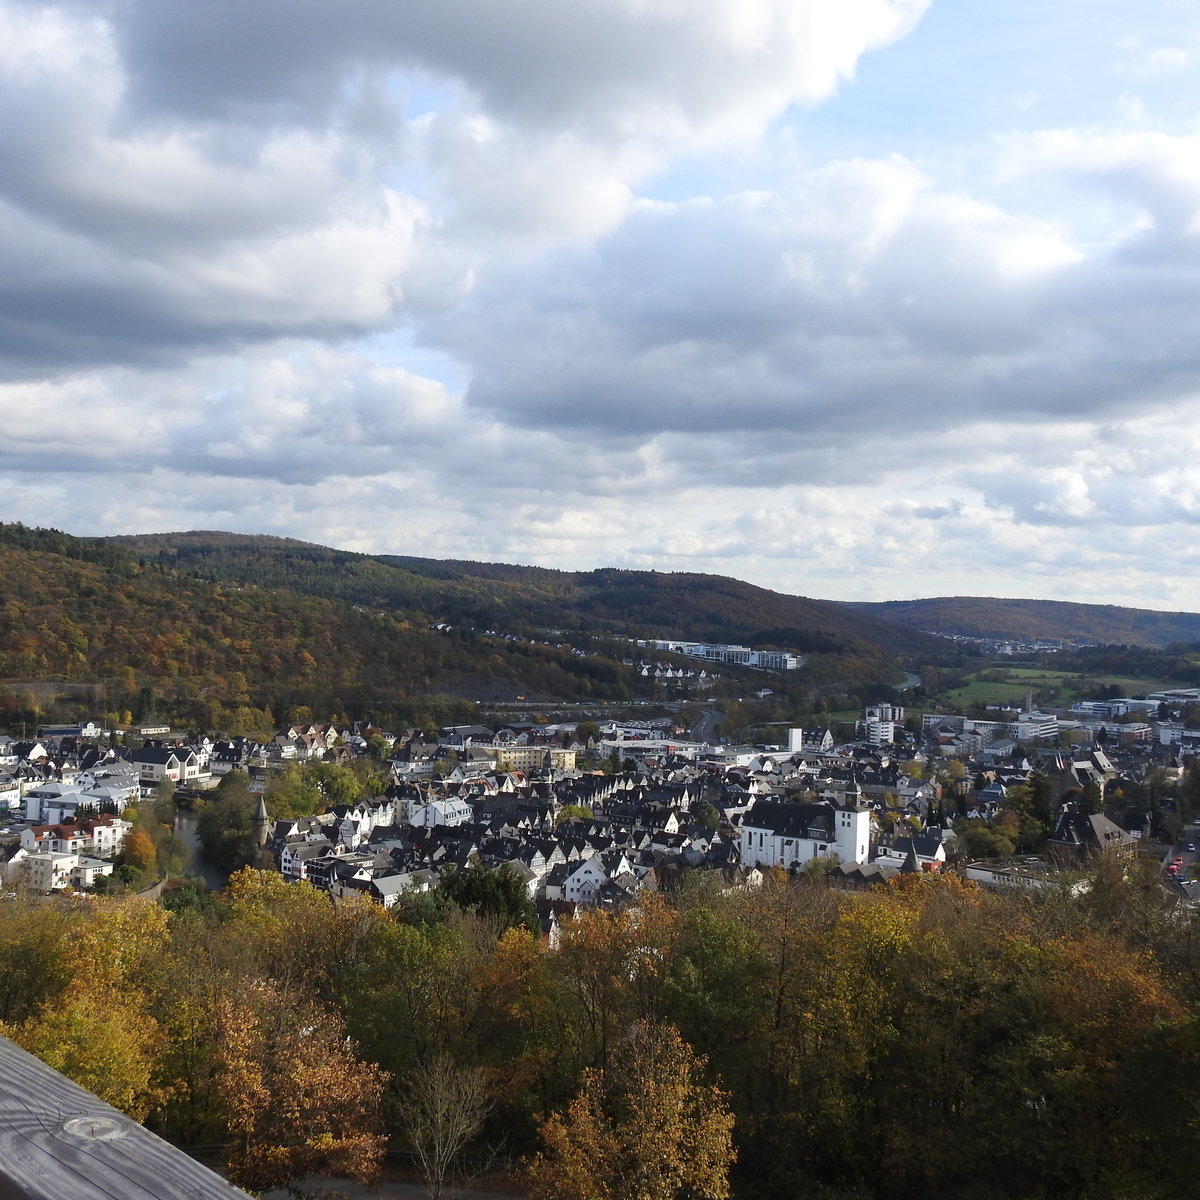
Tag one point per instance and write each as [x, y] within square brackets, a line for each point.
[138, 850]
[650, 1129]
[298, 1100]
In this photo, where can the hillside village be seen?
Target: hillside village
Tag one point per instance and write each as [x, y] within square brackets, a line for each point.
[532, 799]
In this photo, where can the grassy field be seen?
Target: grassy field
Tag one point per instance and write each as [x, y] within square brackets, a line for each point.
[1007, 685]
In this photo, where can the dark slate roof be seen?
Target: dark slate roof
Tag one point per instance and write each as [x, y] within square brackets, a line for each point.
[788, 818]
[150, 754]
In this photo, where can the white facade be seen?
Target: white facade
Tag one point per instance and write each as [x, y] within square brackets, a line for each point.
[585, 878]
[877, 732]
[1175, 696]
[783, 834]
[51, 872]
[49, 803]
[774, 660]
[103, 836]
[1030, 726]
[10, 793]
[440, 812]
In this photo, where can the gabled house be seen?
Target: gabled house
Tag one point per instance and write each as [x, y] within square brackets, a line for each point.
[927, 851]
[156, 763]
[1079, 835]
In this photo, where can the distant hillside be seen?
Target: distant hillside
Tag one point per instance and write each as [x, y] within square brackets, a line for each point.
[77, 609]
[983, 617]
[525, 599]
[534, 599]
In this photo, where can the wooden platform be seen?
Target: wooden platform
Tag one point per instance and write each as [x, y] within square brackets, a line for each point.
[59, 1142]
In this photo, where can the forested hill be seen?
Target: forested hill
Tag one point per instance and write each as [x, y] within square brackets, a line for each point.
[232, 655]
[985, 617]
[533, 599]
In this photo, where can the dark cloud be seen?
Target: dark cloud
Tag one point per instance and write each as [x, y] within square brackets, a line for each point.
[916, 312]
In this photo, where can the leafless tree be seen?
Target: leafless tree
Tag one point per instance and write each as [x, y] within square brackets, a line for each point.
[442, 1108]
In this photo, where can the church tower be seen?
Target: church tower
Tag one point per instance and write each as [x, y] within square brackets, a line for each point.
[262, 824]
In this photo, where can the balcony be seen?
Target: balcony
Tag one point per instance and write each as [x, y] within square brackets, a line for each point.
[59, 1142]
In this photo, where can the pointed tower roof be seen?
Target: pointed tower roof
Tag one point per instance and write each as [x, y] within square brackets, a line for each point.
[262, 822]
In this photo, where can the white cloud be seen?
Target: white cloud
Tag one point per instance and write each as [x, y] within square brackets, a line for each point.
[227, 175]
[1140, 60]
[859, 301]
[870, 373]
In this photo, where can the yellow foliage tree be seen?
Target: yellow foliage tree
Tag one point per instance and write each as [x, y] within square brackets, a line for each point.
[649, 1130]
[121, 942]
[104, 1040]
[294, 931]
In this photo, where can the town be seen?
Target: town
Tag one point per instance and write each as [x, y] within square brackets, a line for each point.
[588, 813]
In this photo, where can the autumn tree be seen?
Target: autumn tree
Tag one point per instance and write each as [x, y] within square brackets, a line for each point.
[519, 1028]
[104, 1040]
[99, 1029]
[294, 933]
[37, 943]
[297, 1098]
[613, 966]
[648, 1129]
[138, 851]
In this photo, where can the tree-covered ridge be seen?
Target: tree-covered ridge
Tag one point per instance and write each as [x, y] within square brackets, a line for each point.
[1037, 620]
[75, 610]
[346, 576]
[523, 599]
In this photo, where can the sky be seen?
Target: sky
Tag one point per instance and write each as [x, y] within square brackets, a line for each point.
[856, 299]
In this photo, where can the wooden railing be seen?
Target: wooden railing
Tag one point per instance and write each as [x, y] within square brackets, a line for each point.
[59, 1142]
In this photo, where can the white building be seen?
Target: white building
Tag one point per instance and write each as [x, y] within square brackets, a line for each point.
[1176, 696]
[785, 833]
[440, 812]
[50, 872]
[49, 803]
[1032, 726]
[103, 836]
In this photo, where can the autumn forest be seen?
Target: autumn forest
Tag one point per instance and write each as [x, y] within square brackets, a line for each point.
[925, 1037]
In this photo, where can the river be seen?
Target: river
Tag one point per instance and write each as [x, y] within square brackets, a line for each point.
[198, 865]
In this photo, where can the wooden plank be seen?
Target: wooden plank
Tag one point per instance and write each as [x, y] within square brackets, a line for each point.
[59, 1142]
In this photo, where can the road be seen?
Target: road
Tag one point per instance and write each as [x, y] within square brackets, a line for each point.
[911, 680]
[704, 728]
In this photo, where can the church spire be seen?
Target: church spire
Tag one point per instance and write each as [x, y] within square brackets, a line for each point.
[262, 823]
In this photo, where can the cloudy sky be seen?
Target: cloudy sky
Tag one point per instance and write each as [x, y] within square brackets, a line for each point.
[862, 299]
